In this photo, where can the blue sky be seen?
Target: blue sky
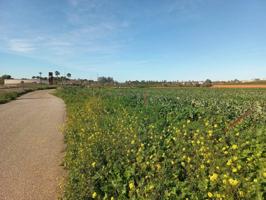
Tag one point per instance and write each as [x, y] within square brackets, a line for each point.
[134, 39]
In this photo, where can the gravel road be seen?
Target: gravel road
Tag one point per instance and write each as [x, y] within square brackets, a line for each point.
[31, 147]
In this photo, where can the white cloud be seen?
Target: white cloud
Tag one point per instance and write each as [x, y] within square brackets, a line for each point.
[20, 45]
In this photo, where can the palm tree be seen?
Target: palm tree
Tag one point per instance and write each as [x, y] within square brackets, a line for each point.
[40, 77]
[57, 73]
[68, 75]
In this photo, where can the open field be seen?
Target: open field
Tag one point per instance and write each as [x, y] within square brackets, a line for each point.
[12, 92]
[165, 143]
[240, 86]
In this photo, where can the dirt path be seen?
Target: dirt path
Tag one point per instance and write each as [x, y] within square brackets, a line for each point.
[31, 147]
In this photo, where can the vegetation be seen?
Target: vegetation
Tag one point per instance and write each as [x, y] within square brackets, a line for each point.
[3, 77]
[165, 143]
[8, 94]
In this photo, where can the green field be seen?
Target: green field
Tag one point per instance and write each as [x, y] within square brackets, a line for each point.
[165, 143]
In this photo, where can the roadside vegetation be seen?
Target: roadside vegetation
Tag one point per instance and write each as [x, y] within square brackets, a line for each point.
[11, 93]
[165, 143]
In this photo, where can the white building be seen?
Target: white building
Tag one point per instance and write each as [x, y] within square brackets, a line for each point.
[23, 81]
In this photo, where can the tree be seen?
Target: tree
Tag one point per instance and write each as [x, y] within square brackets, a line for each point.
[104, 80]
[207, 83]
[68, 75]
[6, 76]
[57, 73]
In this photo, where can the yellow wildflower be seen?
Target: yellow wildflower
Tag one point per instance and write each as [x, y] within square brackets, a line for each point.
[131, 186]
[233, 182]
[215, 125]
[93, 164]
[234, 169]
[241, 193]
[224, 181]
[218, 195]
[264, 174]
[234, 146]
[158, 166]
[210, 194]
[94, 194]
[214, 177]
[229, 162]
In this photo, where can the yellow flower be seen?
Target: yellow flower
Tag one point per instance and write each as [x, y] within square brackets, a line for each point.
[234, 169]
[233, 182]
[214, 177]
[241, 193]
[188, 121]
[94, 194]
[158, 166]
[235, 158]
[210, 194]
[229, 162]
[234, 146]
[215, 125]
[218, 195]
[132, 142]
[210, 132]
[93, 164]
[112, 198]
[264, 174]
[131, 186]
[224, 181]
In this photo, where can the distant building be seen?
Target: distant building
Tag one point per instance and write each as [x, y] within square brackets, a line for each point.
[24, 81]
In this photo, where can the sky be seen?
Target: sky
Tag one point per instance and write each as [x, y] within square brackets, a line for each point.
[134, 39]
